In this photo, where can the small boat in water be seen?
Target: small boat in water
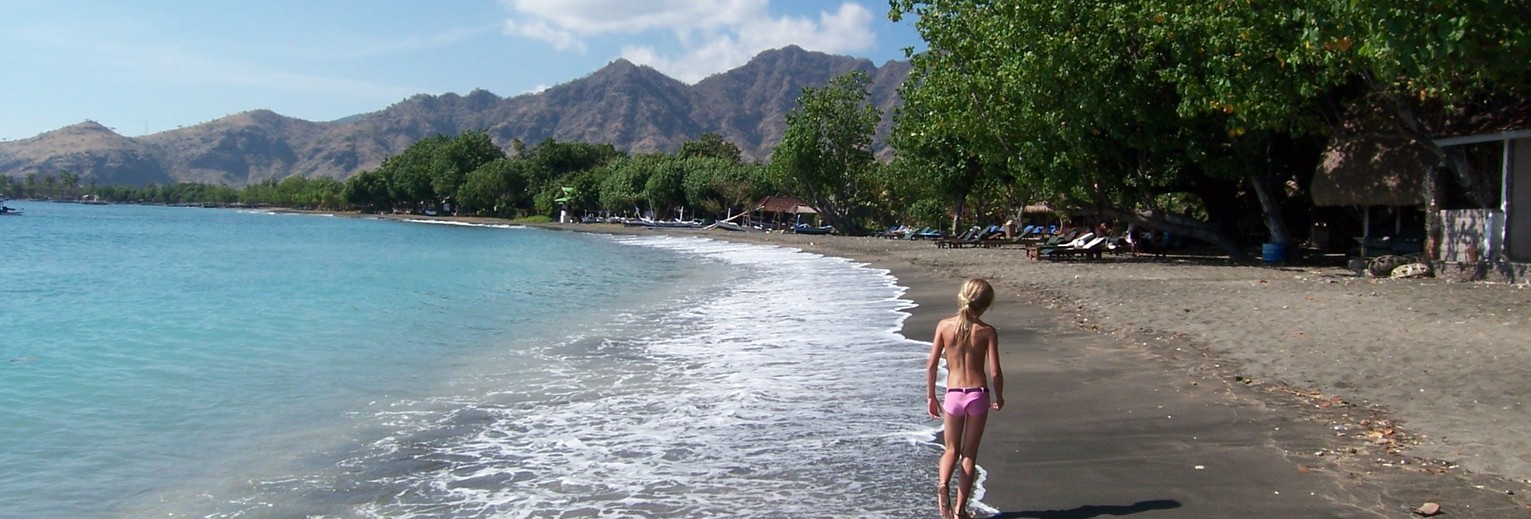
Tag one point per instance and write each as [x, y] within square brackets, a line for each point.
[6, 210]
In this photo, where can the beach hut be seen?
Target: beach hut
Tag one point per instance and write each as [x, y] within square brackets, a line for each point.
[1496, 238]
[777, 208]
[1369, 164]
[1367, 170]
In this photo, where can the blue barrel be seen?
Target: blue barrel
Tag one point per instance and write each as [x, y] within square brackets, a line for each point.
[1274, 252]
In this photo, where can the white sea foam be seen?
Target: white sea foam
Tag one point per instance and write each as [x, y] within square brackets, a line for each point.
[784, 391]
[463, 224]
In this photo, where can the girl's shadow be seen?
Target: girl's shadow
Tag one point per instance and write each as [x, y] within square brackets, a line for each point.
[1092, 511]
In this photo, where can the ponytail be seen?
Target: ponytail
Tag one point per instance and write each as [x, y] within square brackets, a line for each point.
[972, 301]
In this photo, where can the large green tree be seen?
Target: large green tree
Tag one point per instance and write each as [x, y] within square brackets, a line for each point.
[621, 188]
[494, 188]
[825, 156]
[710, 145]
[1114, 104]
[1107, 107]
[366, 191]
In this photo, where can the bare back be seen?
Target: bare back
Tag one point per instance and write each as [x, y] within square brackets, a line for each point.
[966, 360]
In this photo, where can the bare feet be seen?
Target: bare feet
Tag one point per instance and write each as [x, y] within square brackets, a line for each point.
[944, 500]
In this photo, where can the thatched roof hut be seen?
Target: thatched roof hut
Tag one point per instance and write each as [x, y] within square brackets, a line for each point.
[783, 204]
[1371, 170]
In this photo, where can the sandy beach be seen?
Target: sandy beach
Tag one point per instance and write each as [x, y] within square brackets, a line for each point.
[1189, 387]
[1184, 388]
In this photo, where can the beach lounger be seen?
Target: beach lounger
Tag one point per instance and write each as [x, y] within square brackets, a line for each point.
[1027, 236]
[966, 238]
[1065, 243]
[1090, 249]
[990, 236]
[1031, 248]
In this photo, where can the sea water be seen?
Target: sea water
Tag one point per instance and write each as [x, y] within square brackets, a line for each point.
[183, 362]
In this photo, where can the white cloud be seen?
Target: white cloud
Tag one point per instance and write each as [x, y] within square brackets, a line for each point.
[540, 30]
[712, 35]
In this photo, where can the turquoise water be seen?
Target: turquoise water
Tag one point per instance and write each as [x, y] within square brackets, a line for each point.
[192, 362]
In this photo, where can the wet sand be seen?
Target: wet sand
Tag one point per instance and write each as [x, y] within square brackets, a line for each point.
[1185, 387]
[1177, 387]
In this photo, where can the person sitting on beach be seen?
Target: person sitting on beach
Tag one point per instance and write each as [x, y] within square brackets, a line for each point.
[968, 345]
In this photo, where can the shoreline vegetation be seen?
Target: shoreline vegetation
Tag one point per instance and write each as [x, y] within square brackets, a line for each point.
[1389, 392]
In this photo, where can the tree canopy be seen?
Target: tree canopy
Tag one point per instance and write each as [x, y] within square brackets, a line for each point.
[825, 155]
[1111, 107]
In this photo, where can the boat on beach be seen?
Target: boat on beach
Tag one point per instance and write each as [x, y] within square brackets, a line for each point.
[804, 228]
[730, 226]
[661, 224]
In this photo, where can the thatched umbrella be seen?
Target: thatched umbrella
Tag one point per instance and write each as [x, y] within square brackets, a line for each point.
[1370, 163]
[1037, 208]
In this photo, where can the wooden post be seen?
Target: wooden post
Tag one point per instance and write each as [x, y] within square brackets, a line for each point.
[1366, 228]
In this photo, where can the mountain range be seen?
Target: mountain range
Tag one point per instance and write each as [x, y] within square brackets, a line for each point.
[635, 108]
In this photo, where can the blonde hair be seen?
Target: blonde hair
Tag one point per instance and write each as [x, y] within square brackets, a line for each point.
[972, 300]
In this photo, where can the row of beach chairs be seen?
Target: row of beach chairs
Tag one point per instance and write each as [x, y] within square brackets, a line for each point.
[913, 233]
[1042, 243]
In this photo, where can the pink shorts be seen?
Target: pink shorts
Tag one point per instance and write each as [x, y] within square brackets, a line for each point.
[967, 401]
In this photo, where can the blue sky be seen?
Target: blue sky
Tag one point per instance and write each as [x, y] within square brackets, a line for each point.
[150, 66]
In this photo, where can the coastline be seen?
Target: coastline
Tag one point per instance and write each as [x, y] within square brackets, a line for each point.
[1255, 413]
[1345, 402]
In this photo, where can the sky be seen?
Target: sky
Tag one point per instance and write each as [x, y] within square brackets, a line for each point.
[142, 67]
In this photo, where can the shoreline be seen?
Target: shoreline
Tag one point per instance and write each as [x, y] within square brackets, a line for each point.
[1070, 343]
[1315, 402]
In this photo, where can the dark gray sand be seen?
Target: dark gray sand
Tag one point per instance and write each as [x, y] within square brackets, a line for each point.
[1173, 388]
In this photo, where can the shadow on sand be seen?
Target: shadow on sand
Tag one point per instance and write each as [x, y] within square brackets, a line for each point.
[1092, 511]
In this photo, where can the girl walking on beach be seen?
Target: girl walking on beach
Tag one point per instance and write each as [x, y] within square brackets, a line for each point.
[968, 345]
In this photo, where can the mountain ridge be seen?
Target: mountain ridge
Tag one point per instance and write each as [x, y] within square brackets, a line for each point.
[633, 107]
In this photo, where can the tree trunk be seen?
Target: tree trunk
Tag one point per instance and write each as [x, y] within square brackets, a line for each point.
[972, 169]
[1270, 208]
[1183, 225]
[1434, 228]
[957, 216]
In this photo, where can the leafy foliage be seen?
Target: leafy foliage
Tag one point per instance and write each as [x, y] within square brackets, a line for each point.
[1111, 107]
[825, 155]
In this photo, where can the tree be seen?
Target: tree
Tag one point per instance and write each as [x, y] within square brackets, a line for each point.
[552, 159]
[622, 186]
[497, 187]
[825, 155]
[1106, 107]
[367, 191]
[453, 161]
[665, 188]
[409, 174]
[710, 145]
